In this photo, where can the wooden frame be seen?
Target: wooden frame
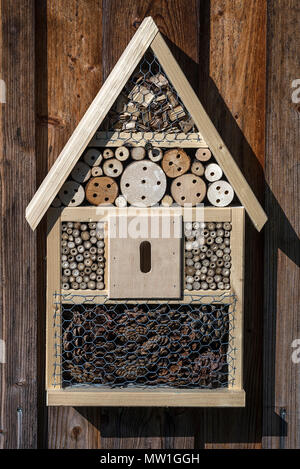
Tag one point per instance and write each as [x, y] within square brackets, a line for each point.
[146, 36]
[233, 396]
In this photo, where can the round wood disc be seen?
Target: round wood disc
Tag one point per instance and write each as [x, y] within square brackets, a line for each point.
[213, 172]
[175, 162]
[203, 154]
[167, 201]
[122, 153]
[71, 194]
[97, 171]
[112, 168]
[108, 153]
[197, 168]
[220, 193]
[120, 201]
[101, 190]
[92, 157]
[81, 172]
[143, 183]
[188, 189]
[155, 154]
[138, 153]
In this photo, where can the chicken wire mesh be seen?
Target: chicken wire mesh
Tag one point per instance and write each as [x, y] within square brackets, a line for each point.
[144, 345]
[148, 103]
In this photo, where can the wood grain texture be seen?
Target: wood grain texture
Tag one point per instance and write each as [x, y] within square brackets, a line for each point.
[232, 89]
[18, 294]
[69, 75]
[282, 256]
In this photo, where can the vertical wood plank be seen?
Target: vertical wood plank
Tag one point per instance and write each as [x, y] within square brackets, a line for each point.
[19, 388]
[150, 428]
[282, 323]
[237, 240]
[69, 75]
[232, 64]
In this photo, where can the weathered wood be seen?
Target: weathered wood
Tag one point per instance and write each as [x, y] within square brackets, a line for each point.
[282, 324]
[235, 59]
[18, 294]
[69, 75]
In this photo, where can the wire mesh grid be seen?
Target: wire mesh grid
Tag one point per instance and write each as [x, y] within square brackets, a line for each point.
[144, 345]
[149, 103]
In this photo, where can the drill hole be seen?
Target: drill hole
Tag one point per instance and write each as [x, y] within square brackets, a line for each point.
[179, 169]
[158, 183]
[183, 198]
[198, 194]
[170, 163]
[194, 181]
[178, 184]
[127, 185]
[96, 184]
[218, 201]
[108, 186]
[218, 188]
[226, 192]
[94, 195]
[145, 257]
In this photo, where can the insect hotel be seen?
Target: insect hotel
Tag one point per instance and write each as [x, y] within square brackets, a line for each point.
[145, 246]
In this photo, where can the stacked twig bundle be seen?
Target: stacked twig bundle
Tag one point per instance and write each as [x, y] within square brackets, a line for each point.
[207, 256]
[82, 256]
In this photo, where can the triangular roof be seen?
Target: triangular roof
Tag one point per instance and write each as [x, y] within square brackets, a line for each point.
[146, 36]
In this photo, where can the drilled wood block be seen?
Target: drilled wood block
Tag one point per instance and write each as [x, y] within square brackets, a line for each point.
[127, 276]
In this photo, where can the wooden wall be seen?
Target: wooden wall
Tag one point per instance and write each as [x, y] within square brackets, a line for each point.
[55, 55]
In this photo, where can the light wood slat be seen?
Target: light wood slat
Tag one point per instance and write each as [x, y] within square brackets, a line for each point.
[237, 243]
[53, 286]
[90, 122]
[100, 213]
[148, 398]
[209, 132]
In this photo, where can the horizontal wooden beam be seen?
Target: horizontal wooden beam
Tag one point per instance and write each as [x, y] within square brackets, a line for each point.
[149, 398]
